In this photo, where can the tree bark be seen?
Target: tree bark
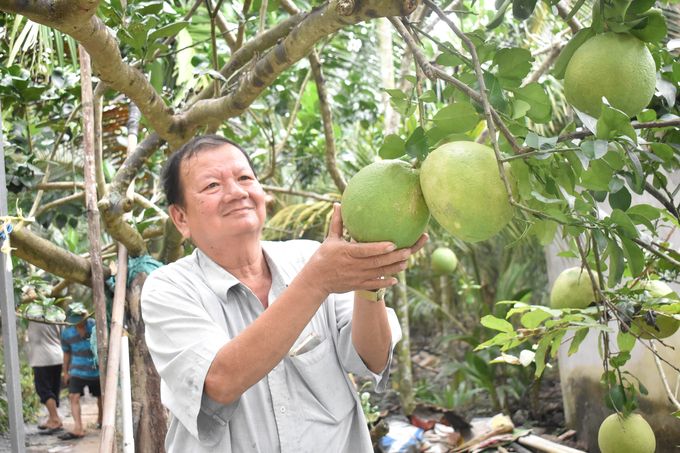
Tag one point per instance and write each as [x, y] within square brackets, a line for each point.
[93, 227]
[42, 253]
[327, 121]
[405, 366]
[149, 414]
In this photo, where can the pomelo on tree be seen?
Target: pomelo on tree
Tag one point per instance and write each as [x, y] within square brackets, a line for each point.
[617, 66]
[630, 434]
[443, 261]
[572, 289]
[665, 325]
[383, 202]
[462, 186]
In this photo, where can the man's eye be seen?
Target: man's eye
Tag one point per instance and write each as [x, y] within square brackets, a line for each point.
[212, 185]
[245, 178]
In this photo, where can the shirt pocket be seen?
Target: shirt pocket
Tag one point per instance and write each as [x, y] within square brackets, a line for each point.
[323, 391]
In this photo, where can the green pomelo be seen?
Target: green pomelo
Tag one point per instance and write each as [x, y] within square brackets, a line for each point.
[617, 66]
[383, 202]
[572, 289]
[443, 261]
[665, 325]
[631, 434]
[464, 191]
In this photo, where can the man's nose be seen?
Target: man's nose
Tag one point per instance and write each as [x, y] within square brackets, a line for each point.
[234, 190]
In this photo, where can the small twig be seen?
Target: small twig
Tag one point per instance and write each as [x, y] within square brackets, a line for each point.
[662, 375]
[647, 125]
[658, 253]
[537, 153]
[433, 72]
[574, 24]
[301, 193]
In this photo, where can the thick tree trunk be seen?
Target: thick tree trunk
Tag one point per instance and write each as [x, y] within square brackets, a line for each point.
[150, 417]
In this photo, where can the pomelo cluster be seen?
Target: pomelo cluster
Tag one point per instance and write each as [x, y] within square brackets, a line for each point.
[458, 183]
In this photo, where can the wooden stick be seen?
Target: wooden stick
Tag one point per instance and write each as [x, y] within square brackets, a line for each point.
[112, 369]
[93, 230]
[545, 445]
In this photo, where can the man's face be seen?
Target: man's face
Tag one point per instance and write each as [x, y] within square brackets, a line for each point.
[222, 198]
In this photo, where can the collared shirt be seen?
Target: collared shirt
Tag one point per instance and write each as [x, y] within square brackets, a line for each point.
[307, 403]
[82, 359]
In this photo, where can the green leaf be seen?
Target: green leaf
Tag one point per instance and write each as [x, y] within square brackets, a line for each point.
[520, 108]
[634, 256]
[513, 64]
[457, 117]
[616, 263]
[498, 340]
[626, 341]
[449, 59]
[494, 323]
[396, 94]
[416, 145]
[664, 151]
[623, 224]
[544, 230]
[499, 16]
[579, 336]
[568, 51]
[556, 342]
[541, 353]
[643, 211]
[638, 7]
[535, 95]
[393, 147]
[620, 199]
[616, 398]
[614, 123]
[597, 176]
[495, 92]
[533, 319]
[168, 30]
[522, 9]
[652, 28]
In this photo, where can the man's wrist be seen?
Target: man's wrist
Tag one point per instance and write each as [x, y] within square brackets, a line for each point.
[375, 295]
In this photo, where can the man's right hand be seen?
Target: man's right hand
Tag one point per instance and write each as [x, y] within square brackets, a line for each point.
[66, 378]
[340, 266]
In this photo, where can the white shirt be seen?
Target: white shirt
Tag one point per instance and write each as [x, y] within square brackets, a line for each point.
[307, 403]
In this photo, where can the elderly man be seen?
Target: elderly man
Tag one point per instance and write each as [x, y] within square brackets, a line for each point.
[253, 340]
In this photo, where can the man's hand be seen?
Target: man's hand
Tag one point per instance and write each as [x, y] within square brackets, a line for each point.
[340, 266]
[66, 377]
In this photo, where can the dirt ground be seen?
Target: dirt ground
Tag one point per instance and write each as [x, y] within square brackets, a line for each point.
[40, 443]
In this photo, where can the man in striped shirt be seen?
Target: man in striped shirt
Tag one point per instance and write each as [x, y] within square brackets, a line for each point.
[80, 368]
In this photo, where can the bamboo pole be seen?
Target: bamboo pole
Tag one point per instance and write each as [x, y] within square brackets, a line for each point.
[126, 396]
[15, 416]
[94, 228]
[110, 393]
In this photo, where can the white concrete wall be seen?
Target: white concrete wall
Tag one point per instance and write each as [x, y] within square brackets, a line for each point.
[580, 374]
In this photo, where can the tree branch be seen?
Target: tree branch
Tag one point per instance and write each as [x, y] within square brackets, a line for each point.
[301, 193]
[44, 254]
[433, 72]
[321, 22]
[58, 202]
[327, 121]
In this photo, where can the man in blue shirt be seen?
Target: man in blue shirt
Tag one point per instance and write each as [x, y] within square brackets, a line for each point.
[80, 368]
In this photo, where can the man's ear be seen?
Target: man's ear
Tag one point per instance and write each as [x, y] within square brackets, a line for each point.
[179, 218]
